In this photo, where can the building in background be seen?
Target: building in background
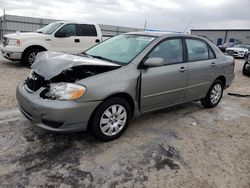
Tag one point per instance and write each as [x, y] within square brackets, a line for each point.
[12, 24]
[221, 36]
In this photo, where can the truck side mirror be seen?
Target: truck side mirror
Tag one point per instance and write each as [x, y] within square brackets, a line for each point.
[60, 34]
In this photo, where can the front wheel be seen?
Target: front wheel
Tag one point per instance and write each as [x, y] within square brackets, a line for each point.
[214, 95]
[110, 119]
[30, 56]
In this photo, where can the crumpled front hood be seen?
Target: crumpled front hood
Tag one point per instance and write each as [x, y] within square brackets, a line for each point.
[51, 64]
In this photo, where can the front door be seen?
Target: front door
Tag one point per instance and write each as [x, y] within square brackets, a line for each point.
[65, 40]
[165, 85]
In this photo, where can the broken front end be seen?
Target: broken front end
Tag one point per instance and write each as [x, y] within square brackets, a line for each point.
[48, 97]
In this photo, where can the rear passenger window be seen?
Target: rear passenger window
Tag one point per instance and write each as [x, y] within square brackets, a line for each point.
[197, 50]
[86, 30]
[170, 50]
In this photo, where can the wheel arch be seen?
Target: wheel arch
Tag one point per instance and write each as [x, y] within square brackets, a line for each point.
[33, 46]
[123, 95]
[222, 79]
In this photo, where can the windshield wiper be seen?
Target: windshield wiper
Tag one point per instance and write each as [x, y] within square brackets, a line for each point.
[105, 59]
[84, 54]
[98, 57]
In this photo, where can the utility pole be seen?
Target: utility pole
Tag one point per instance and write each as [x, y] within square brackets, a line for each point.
[145, 25]
[187, 26]
[3, 25]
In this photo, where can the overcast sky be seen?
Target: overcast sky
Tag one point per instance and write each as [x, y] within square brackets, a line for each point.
[170, 15]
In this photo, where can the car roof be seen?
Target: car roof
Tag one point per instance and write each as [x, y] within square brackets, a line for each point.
[72, 22]
[162, 34]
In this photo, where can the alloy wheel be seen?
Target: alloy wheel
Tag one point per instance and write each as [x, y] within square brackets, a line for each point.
[216, 94]
[113, 120]
[32, 57]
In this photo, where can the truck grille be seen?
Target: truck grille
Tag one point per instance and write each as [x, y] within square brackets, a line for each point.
[5, 41]
[35, 82]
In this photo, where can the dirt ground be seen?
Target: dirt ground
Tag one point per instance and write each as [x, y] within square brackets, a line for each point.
[184, 146]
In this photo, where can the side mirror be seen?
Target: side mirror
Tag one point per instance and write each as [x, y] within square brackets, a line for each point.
[154, 62]
[60, 34]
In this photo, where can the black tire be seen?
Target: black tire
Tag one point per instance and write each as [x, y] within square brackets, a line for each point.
[207, 101]
[244, 72]
[26, 56]
[246, 57]
[95, 125]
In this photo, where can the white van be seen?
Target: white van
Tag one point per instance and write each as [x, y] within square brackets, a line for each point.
[60, 36]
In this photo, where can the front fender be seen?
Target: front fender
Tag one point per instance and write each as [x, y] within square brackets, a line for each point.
[121, 80]
[41, 42]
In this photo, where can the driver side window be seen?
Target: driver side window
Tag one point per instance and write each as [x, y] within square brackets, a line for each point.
[69, 30]
[171, 51]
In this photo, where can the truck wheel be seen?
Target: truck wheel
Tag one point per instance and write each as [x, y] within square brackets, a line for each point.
[110, 119]
[214, 95]
[30, 55]
[244, 70]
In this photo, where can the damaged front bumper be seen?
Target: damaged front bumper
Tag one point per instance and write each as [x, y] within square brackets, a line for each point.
[54, 115]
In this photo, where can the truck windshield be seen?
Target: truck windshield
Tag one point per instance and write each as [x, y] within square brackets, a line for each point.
[49, 29]
[121, 49]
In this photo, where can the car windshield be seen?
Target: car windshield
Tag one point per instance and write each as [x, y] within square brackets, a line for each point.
[121, 49]
[49, 29]
[243, 46]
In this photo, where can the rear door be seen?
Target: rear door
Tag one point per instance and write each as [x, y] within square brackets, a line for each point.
[88, 36]
[202, 68]
[164, 85]
[65, 39]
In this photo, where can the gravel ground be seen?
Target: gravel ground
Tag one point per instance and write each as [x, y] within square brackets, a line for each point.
[184, 146]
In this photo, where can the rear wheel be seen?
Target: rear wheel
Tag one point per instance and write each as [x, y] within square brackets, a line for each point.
[110, 119]
[214, 95]
[30, 56]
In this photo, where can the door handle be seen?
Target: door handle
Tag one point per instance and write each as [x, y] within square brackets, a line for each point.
[77, 40]
[97, 40]
[213, 64]
[182, 69]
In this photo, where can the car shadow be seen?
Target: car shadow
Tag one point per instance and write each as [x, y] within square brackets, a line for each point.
[14, 64]
[190, 106]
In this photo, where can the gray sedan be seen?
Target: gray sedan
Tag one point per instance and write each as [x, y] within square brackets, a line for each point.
[102, 88]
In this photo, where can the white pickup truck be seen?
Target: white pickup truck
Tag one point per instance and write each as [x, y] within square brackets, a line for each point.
[60, 36]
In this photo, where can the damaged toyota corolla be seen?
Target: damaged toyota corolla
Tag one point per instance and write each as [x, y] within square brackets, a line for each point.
[102, 88]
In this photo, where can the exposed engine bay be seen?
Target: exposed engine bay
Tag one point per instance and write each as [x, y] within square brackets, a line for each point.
[71, 75]
[56, 72]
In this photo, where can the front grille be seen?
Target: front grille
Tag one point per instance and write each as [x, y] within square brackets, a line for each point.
[5, 41]
[35, 82]
[230, 52]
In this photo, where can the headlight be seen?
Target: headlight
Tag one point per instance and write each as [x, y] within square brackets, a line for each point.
[65, 91]
[14, 42]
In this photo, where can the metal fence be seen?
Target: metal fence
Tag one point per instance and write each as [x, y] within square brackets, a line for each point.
[12, 23]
